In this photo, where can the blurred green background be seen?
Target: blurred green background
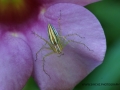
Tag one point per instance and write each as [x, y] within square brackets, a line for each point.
[108, 13]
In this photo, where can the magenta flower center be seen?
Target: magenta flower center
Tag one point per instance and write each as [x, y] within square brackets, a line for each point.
[16, 11]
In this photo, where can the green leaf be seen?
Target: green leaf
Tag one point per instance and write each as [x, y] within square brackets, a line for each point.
[31, 85]
[108, 72]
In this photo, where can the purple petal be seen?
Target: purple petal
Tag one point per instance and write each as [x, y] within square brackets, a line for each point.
[78, 61]
[80, 2]
[15, 61]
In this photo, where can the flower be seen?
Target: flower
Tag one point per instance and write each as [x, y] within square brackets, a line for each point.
[18, 46]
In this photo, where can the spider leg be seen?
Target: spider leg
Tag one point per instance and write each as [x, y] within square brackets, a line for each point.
[80, 43]
[41, 37]
[44, 62]
[61, 54]
[73, 35]
[59, 20]
[67, 41]
[43, 47]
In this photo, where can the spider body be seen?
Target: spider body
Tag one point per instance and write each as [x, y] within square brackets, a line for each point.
[55, 40]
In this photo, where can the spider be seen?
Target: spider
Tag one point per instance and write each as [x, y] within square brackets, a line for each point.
[56, 42]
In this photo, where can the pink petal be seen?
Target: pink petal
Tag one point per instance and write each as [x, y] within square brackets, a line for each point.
[80, 2]
[77, 62]
[15, 61]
